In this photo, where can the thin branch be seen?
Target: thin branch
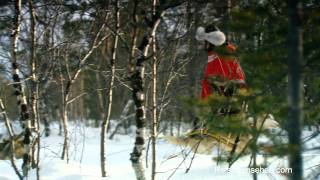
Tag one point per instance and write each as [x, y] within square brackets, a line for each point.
[75, 98]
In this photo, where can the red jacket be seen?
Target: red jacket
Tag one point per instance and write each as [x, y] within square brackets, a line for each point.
[226, 68]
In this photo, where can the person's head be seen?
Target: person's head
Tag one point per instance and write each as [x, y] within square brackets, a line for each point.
[211, 35]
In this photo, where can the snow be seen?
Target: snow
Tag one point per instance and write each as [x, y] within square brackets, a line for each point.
[84, 161]
[4, 135]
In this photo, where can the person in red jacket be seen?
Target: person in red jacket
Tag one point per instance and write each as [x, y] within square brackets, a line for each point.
[223, 71]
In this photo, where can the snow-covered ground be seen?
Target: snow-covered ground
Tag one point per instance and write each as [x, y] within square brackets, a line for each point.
[172, 162]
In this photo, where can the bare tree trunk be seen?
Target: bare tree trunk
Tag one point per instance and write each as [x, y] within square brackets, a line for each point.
[65, 153]
[34, 87]
[138, 95]
[100, 96]
[254, 149]
[43, 111]
[20, 89]
[101, 91]
[106, 120]
[134, 36]
[139, 98]
[59, 118]
[154, 99]
[81, 103]
[60, 113]
[64, 115]
[154, 116]
[295, 59]
[137, 80]
[191, 65]
[33, 64]
[44, 116]
[38, 140]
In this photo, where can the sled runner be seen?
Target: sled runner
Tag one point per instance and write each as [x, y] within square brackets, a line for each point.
[202, 142]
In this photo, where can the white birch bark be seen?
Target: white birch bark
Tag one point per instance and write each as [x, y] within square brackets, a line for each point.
[137, 84]
[20, 89]
[154, 99]
[106, 120]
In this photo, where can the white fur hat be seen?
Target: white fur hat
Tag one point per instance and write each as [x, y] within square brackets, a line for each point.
[216, 38]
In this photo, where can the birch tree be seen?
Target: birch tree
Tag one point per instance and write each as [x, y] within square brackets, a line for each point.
[137, 85]
[106, 120]
[154, 98]
[20, 89]
[34, 88]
